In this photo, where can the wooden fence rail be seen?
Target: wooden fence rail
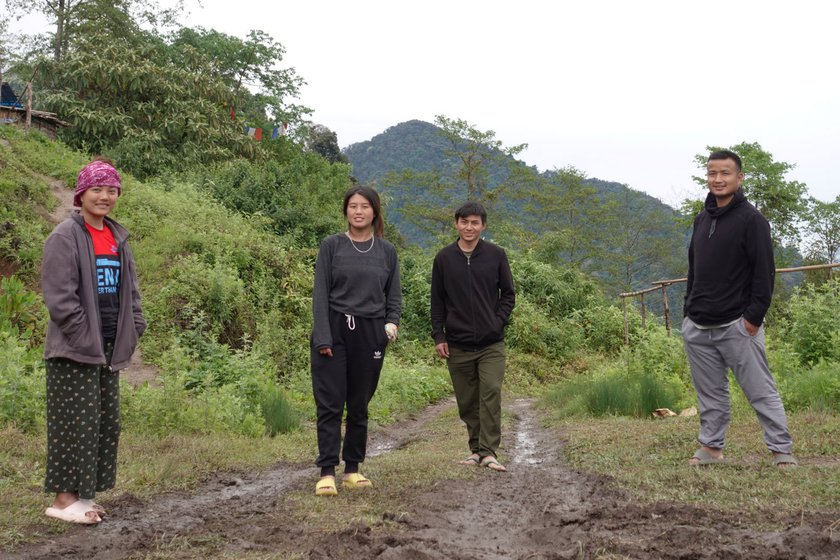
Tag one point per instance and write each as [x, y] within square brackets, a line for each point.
[662, 286]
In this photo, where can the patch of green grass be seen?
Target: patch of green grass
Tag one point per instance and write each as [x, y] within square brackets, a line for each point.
[650, 459]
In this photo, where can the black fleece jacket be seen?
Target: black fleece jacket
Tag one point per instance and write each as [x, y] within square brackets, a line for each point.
[731, 270]
[472, 298]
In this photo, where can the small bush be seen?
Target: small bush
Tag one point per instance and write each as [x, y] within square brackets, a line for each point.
[814, 324]
[532, 331]
[172, 409]
[22, 312]
[22, 384]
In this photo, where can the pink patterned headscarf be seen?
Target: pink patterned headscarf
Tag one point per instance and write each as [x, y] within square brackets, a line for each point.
[96, 174]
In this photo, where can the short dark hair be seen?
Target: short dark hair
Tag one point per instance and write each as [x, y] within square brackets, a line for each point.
[726, 154]
[471, 208]
[373, 197]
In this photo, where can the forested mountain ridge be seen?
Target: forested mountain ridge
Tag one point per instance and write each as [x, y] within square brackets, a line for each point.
[420, 146]
[620, 235]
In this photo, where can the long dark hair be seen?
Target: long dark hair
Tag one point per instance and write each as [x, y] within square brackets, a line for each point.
[373, 197]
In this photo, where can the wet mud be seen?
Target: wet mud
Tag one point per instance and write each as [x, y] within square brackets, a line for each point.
[539, 509]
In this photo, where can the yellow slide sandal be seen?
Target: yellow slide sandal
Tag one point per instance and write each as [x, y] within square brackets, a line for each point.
[326, 486]
[355, 481]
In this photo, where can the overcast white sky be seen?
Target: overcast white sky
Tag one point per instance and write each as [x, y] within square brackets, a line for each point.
[624, 91]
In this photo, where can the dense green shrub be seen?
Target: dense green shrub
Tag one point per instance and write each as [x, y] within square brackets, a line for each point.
[532, 331]
[816, 388]
[22, 312]
[22, 384]
[416, 279]
[558, 291]
[170, 409]
[299, 192]
[814, 323]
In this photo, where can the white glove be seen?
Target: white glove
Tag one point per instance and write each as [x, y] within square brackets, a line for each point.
[391, 331]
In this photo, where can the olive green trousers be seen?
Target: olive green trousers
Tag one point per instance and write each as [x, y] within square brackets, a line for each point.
[477, 380]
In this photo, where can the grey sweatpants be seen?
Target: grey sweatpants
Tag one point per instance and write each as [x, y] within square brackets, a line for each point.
[710, 353]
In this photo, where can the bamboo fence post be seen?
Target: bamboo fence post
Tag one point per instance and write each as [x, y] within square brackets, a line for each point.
[626, 328]
[667, 309]
[28, 106]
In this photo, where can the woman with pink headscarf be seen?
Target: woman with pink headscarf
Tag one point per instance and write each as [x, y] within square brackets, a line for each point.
[90, 289]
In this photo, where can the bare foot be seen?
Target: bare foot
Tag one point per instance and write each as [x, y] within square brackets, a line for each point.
[100, 511]
[491, 463]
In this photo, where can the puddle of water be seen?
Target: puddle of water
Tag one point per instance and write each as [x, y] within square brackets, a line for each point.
[525, 444]
[381, 446]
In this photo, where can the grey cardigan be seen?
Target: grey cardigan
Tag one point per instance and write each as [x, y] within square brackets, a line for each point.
[68, 280]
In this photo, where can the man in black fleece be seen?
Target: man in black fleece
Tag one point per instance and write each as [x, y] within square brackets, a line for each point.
[472, 299]
[730, 283]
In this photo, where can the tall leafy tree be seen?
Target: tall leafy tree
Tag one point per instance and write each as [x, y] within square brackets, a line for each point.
[251, 68]
[479, 167]
[324, 142]
[823, 219]
[133, 103]
[155, 103]
[644, 241]
[476, 150]
[76, 18]
[564, 215]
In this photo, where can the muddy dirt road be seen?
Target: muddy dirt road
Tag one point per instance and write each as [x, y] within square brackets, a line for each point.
[540, 509]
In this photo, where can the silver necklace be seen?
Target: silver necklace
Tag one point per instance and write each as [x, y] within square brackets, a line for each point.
[372, 241]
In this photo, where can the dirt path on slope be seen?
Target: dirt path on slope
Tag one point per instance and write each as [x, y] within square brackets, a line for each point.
[540, 509]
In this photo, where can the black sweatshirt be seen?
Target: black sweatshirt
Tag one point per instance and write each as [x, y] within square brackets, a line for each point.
[472, 298]
[730, 264]
[359, 281]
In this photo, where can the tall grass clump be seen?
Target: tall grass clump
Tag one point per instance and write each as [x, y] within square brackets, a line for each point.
[651, 375]
[278, 412]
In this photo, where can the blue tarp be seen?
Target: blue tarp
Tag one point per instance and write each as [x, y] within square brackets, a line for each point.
[8, 97]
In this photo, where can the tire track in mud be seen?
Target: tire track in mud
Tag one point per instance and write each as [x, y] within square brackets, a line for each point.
[540, 509]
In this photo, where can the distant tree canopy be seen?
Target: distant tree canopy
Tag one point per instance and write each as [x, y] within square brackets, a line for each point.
[324, 142]
[823, 237]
